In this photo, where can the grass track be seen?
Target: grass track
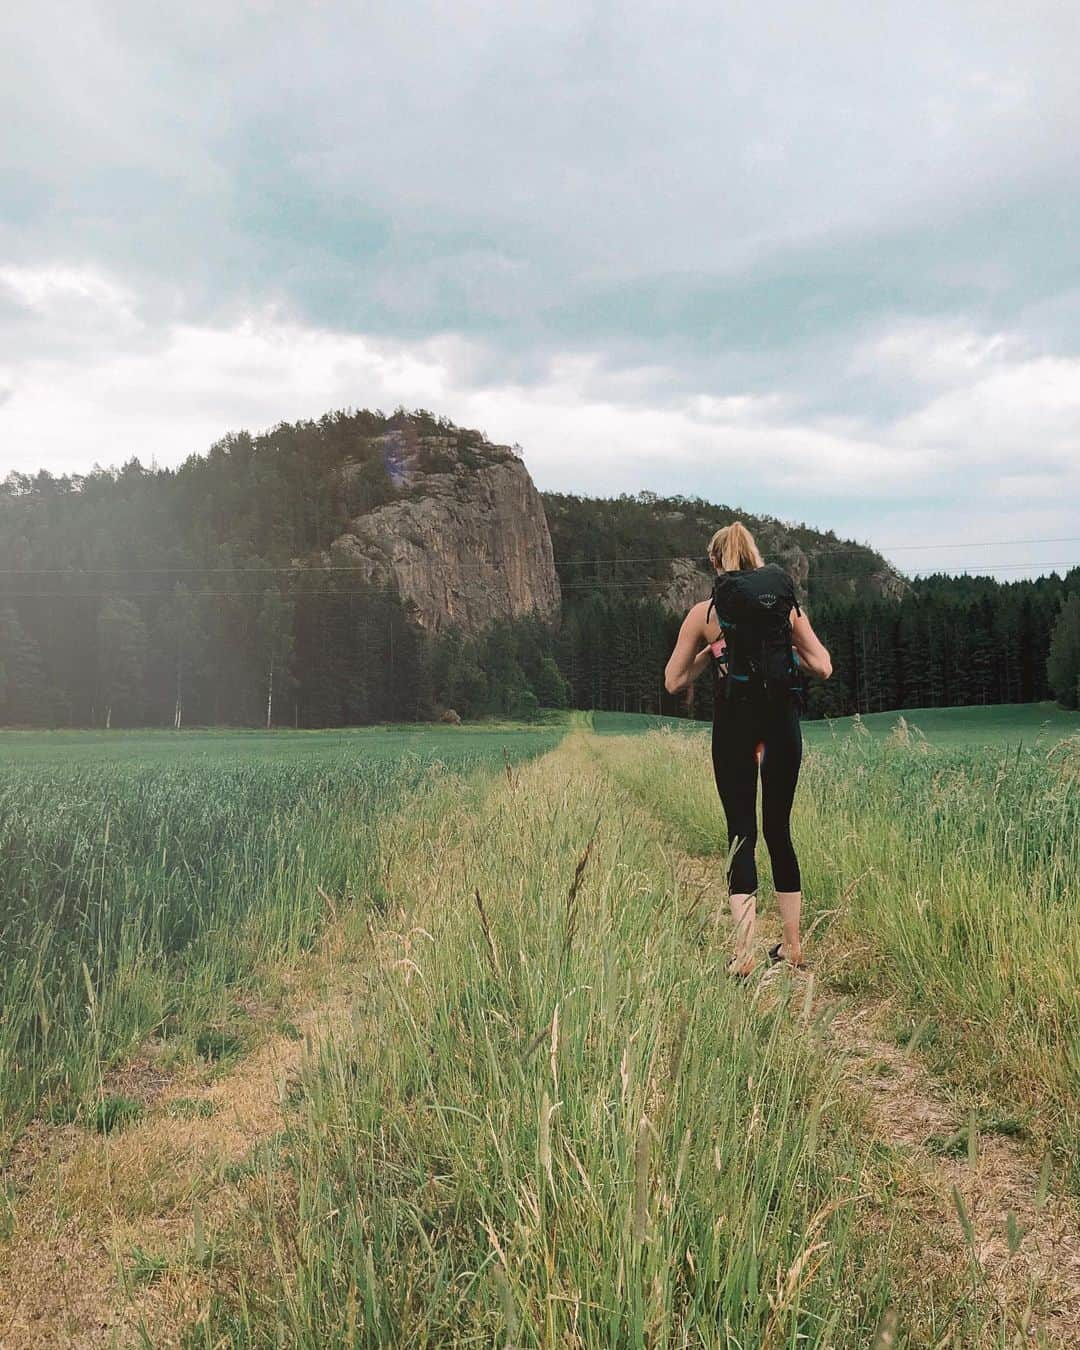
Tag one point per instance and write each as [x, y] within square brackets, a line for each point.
[566, 1126]
[946, 883]
[1028, 724]
[556, 1121]
[146, 877]
[559, 1122]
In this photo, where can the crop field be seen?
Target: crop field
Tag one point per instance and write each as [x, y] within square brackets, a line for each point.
[143, 876]
[1029, 724]
[425, 1037]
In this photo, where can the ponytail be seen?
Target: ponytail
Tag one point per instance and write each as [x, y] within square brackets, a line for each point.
[732, 549]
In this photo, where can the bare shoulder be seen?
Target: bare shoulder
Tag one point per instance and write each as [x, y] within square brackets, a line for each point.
[706, 619]
[694, 623]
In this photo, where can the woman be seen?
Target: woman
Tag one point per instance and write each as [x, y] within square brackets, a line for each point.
[752, 715]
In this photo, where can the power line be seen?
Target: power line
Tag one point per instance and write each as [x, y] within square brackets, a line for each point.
[855, 576]
[369, 592]
[570, 562]
[827, 553]
[965, 568]
[834, 576]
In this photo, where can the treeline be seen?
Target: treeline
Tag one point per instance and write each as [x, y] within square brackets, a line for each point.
[947, 641]
[306, 660]
[167, 597]
[160, 597]
[303, 653]
[950, 641]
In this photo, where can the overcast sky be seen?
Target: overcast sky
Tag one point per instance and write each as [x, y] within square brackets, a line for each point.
[818, 261]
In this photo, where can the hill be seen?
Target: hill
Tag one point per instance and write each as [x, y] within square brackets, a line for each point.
[371, 567]
[656, 545]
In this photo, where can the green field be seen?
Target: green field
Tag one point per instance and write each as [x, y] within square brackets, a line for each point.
[1005, 724]
[424, 1036]
[148, 874]
[452, 744]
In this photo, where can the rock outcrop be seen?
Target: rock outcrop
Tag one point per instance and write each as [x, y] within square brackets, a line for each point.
[690, 582]
[465, 540]
[653, 546]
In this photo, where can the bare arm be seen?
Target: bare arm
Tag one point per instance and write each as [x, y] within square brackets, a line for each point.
[813, 655]
[691, 654]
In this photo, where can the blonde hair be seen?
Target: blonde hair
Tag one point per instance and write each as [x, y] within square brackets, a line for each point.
[732, 549]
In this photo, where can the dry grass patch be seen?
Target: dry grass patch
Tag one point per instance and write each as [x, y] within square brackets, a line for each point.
[1021, 1241]
[130, 1220]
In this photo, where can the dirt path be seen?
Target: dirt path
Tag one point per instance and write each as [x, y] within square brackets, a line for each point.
[1023, 1244]
[111, 1232]
[988, 1208]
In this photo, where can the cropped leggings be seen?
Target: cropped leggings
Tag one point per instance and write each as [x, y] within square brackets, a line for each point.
[739, 726]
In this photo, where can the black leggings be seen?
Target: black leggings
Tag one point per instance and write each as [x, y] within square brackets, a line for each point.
[739, 725]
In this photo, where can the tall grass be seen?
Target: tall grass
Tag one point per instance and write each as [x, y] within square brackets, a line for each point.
[133, 892]
[557, 1120]
[949, 881]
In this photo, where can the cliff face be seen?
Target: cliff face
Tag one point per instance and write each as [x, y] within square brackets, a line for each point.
[465, 540]
[455, 525]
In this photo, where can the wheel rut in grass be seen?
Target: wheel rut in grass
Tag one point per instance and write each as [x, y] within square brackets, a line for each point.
[123, 1239]
[90, 1202]
[989, 1208]
[112, 1233]
[1019, 1237]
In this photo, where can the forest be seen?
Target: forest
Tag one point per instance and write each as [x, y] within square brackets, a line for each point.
[171, 597]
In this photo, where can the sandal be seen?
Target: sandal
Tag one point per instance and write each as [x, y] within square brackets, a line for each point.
[775, 958]
[741, 975]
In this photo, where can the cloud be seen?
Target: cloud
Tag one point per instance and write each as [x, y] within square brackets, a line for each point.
[928, 477]
[816, 261]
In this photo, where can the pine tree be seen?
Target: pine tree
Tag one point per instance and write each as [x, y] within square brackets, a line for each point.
[549, 686]
[122, 647]
[275, 643]
[22, 693]
[1063, 663]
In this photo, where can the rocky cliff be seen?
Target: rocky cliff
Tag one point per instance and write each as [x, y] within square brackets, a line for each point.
[454, 524]
[464, 538]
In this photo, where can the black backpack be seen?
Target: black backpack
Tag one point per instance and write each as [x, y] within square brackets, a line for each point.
[754, 610]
